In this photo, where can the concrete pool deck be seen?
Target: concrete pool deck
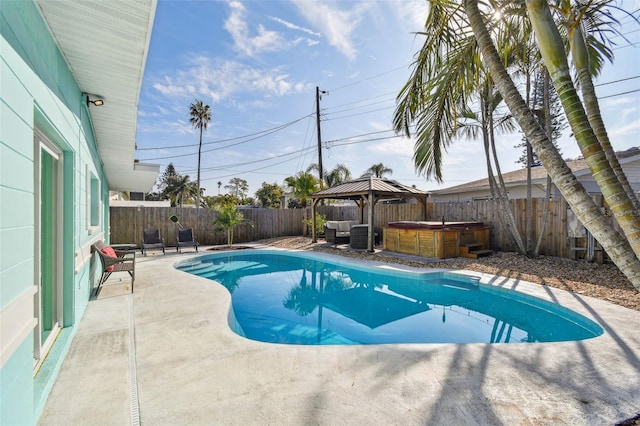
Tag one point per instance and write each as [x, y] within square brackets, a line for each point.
[165, 355]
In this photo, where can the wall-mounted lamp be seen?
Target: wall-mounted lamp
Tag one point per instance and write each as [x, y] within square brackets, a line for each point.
[96, 102]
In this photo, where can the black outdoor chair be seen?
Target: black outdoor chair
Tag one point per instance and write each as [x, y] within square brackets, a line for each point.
[151, 240]
[186, 239]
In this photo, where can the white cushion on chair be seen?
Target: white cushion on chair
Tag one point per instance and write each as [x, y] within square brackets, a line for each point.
[344, 226]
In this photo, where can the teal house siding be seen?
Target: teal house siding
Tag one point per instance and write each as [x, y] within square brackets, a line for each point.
[50, 167]
[38, 91]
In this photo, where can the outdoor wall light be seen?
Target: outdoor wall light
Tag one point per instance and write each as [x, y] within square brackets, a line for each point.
[96, 102]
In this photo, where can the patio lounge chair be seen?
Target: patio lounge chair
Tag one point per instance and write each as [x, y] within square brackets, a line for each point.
[114, 261]
[151, 240]
[186, 239]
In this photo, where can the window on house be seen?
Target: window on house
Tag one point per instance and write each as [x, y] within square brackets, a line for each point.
[93, 202]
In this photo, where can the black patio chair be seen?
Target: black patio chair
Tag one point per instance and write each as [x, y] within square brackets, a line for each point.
[186, 239]
[151, 240]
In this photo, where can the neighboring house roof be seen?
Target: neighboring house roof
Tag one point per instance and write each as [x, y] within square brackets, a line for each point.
[382, 188]
[105, 44]
[518, 177]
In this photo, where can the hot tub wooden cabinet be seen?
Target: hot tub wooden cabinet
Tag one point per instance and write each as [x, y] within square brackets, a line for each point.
[431, 239]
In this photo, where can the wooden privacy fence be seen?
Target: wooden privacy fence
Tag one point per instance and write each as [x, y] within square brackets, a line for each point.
[127, 223]
[555, 241]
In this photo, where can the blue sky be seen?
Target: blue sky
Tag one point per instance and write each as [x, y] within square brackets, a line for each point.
[257, 64]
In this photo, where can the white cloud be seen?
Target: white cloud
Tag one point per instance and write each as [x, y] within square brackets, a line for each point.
[220, 80]
[630, 129]
[293, 26]
[336, 24]
[265, 40]
[413, 13]
[397, 147]
[180, 127]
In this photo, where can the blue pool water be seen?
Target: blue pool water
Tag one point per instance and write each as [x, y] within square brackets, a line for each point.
[296, 298]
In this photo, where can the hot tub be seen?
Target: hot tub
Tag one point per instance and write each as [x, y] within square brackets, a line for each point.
[433, 239]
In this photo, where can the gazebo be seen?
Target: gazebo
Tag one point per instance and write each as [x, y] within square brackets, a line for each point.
[367, 190]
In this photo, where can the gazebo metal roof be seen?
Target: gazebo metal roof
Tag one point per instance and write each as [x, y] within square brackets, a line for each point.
[367, 190]
[382, 189]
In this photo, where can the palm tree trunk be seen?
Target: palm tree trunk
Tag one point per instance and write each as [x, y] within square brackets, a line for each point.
[588, 212]
[501, 188]
[498, 208]
[548, 128]
[198, 180]
[553, 53]
[529, 205]
[580, 57]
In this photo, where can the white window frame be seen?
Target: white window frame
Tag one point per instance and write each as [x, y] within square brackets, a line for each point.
[94, 202]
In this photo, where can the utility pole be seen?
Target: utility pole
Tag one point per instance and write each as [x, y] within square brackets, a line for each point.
[320, 172]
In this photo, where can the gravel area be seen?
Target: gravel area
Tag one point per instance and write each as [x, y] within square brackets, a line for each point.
[602, 281]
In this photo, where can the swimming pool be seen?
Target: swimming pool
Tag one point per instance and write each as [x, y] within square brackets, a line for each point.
[303, 299]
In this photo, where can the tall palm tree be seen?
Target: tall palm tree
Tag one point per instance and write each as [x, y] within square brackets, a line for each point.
[378, 170]
[483, 125]
[587, 26]
[554, 55]
[200, 116]
[446, 82]
[618, 248]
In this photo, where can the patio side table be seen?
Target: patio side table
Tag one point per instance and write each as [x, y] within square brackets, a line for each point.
[359, 235]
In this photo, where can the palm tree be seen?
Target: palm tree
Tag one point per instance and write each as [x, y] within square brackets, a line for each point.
[378, 170]
[446, 78]
[200, 116]
[484, 124]
[339, 174]
[228, 218]
[179, 189]
[303, 185]
[619, 249]
[587, 26]
[553, 53]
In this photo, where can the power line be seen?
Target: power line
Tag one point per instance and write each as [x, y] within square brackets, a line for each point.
[362, 106]
[617, 81]
[373, 77]
[262, 134]
[360, 135]
[267, 132]
[367, 99]
[619, 94]
[235, 172]
[226, 166]
[272, 130]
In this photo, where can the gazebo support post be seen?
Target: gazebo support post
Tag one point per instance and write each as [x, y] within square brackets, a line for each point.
[314, 237]
[370, 220]
[423, 201]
